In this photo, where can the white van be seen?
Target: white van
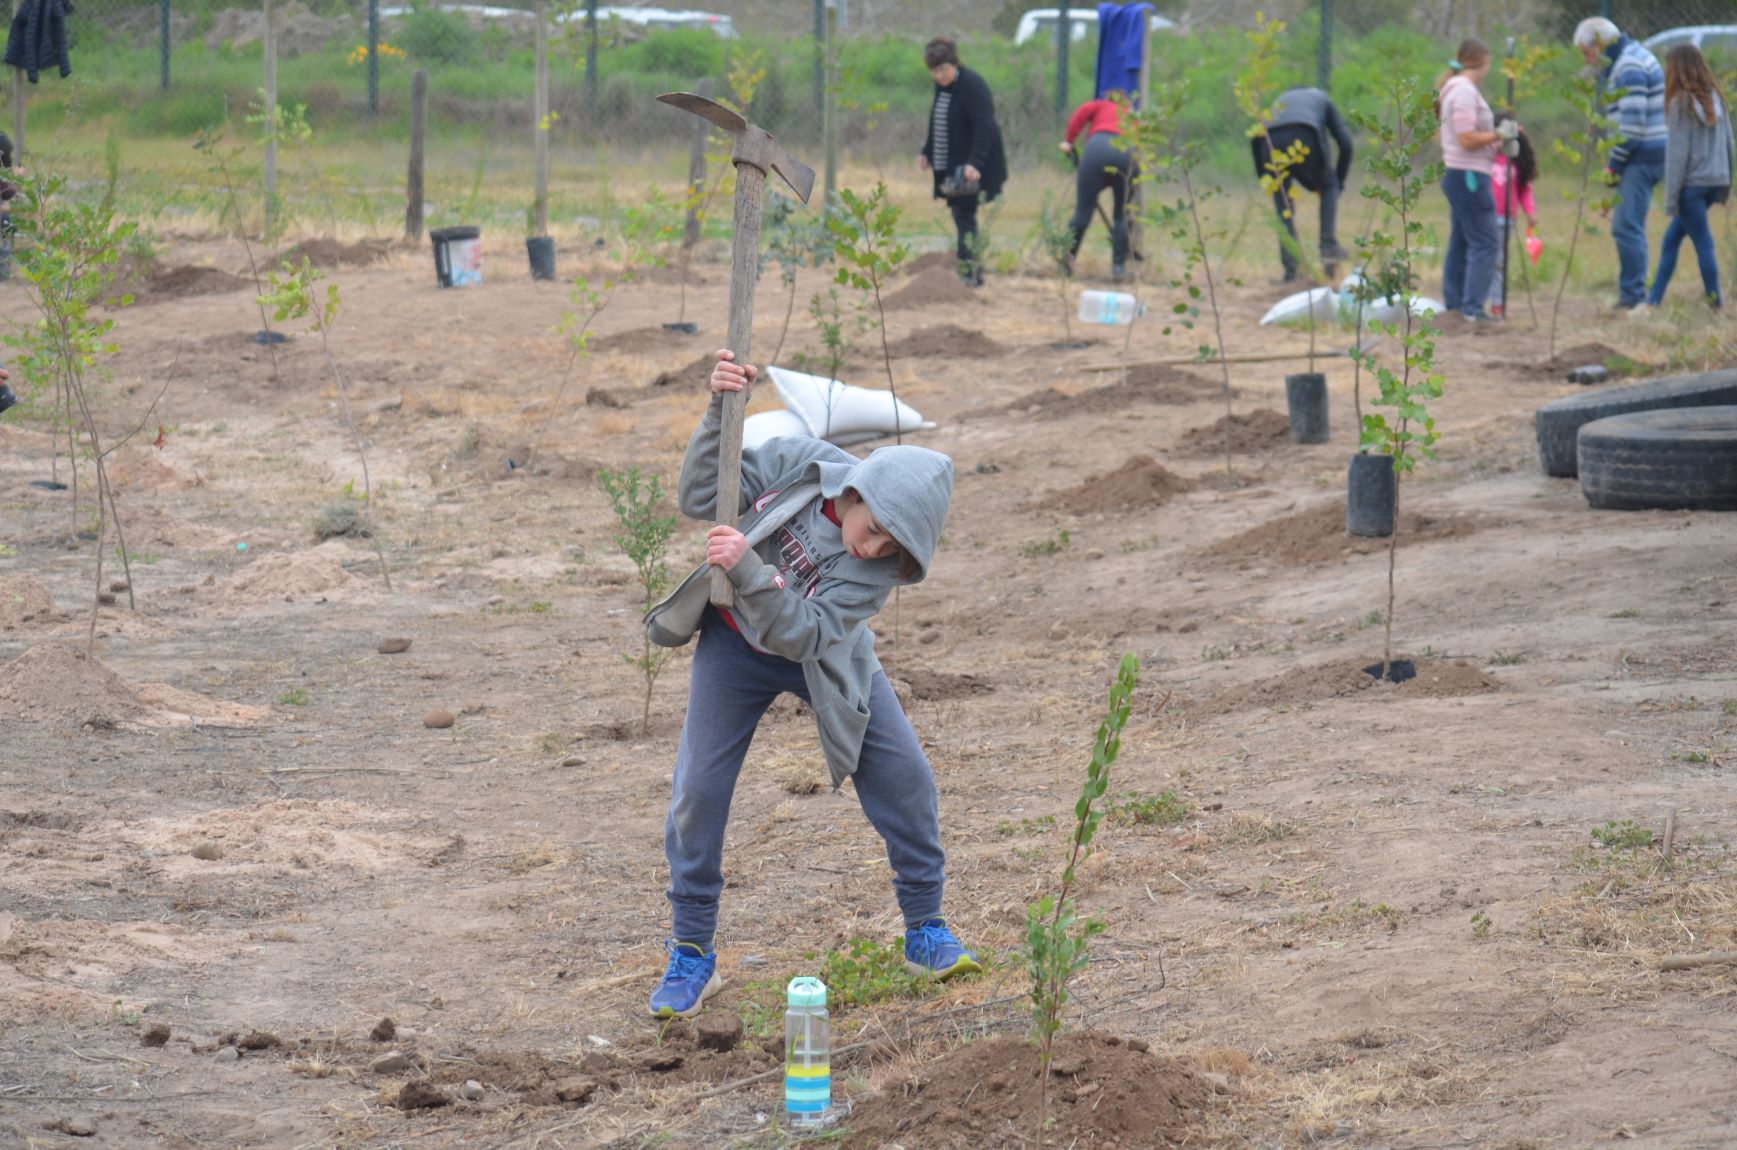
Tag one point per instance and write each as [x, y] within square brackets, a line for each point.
[1082, 22]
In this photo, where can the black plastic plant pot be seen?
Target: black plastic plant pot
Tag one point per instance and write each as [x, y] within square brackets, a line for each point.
[1306, 401]
[7, 399]
[686, 328]
[266, 338]
[1398, 670]
[541, 249]
[1370, 496]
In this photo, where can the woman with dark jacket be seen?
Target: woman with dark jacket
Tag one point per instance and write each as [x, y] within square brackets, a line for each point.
[963, 148]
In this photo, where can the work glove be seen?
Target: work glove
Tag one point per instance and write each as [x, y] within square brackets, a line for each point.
[1508, 133]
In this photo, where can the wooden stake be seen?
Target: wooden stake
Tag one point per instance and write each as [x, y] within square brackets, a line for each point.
[271, 111]
[541, 111]
[413, 182]
[1691, 961]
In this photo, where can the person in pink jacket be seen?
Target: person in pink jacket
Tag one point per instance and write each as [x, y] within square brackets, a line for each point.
[1520, 170]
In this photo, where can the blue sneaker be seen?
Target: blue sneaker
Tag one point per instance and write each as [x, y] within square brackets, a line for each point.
[931, 951]
[692, 978]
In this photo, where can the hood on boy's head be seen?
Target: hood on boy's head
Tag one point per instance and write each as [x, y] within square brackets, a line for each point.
[908, 489]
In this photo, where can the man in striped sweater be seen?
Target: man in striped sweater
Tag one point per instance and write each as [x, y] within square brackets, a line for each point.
[1637, 161]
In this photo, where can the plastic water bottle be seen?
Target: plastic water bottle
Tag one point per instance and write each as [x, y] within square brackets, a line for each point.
[807, 1054]
[1109, 307]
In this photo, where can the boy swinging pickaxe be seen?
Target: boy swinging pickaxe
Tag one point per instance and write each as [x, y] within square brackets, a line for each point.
[755, 153]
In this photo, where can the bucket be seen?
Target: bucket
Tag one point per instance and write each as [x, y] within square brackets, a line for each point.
[541, 249]
[1306, 400]
[457, 255]
[1370, 496]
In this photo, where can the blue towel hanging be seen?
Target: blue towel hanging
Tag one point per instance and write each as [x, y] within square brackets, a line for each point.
[1121, 45]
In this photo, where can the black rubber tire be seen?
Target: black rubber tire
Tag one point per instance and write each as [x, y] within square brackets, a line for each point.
[1558, 423]
[1674, 460]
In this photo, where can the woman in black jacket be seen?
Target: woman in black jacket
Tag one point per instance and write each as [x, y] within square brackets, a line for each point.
[963, 148]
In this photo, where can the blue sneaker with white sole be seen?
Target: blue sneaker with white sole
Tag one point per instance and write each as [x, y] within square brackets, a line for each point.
[692, 978]
[931, 951]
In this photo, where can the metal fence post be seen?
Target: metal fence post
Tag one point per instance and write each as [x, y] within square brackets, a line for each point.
[1063, 34]
[271, 115]
[1324, 60]
[413, 191]
[591, 59]
[163, 44]
[373, 56]
[540, 111]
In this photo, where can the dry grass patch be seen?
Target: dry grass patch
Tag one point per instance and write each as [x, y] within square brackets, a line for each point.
[1631, 907]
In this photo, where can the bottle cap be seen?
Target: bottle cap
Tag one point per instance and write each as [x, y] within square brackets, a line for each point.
[806, 991]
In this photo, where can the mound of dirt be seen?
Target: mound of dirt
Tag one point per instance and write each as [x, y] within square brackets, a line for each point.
[25, 603]
[1581, 355]
[297, 576]
[1436, 679]
[644, 341]
[144, 468]
[1139, 483]
[298, 834]
[1102, 1092]
[695, 373]
[949, 341]
[53, 682]
[932, 288]
[151, 528]
[328, 254]
[1318, 536]
[930, 261]
[1146, 383]
[938, 686]
[1251, 433]
[185, 280]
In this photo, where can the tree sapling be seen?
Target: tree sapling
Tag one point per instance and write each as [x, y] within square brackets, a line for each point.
[1400, 183]
[643, 535]
[292, 296]
[1056, 943]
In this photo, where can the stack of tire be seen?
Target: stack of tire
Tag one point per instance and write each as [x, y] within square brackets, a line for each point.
[1666, 444]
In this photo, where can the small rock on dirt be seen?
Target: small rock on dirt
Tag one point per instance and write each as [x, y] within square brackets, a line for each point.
[471, 1091]
[393, 646]
[573, 761]
[663, 1060]
[78, 1127]
[438, 720]
[384, 1031]
[421, 1095]
[258, 1040]
[1067, 1064]
[397, 1062]
[227, 1054]
[719, 1031]
[118, 585]
[209, 851]
[157, 1035]
[1139, 1044]
[106, 598]
[578, 1090]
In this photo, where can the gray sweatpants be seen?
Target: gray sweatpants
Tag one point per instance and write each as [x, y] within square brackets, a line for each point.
[732, 686]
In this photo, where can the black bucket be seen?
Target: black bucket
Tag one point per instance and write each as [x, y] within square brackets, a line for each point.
[457, 255]
[1306, 400]
[1370, 496]
[541, 249]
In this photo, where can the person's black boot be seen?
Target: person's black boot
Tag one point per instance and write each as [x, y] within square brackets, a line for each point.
[7, 399]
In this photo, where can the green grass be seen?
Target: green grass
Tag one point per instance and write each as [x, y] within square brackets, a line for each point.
[1054, 545]
[294, 697]
[1165, 809]
[1042, 824]
[1627, 835]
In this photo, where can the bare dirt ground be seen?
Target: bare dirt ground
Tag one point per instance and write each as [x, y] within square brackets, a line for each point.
[1383, 919]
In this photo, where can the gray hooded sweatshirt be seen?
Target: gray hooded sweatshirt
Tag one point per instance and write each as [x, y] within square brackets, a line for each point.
[1697, 154]
[799, 594]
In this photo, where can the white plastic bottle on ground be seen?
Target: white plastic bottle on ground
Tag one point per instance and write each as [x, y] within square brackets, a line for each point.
[807, 1054]
[1115, 307]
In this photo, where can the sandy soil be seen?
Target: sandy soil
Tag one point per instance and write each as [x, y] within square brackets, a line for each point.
[1366, 913]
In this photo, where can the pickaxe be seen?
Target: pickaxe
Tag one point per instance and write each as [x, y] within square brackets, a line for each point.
[754, 154]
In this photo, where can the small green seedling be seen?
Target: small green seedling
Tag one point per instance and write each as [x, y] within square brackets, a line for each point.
[1056, 943]
[1053, 545]
[643, 535]
[1480, 925]
[1165, 809]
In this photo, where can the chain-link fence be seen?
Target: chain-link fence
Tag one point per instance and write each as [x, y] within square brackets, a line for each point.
[146, 80]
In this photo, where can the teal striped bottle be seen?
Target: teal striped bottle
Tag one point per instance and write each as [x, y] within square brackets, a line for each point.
[807, 1054]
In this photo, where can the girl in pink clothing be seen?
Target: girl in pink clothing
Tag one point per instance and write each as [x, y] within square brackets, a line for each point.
[1522, 169]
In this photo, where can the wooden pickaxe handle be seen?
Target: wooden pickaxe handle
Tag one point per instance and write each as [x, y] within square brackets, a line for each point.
[744, 269]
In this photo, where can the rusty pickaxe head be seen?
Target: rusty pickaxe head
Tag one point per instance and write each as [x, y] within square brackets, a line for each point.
[753, 145]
